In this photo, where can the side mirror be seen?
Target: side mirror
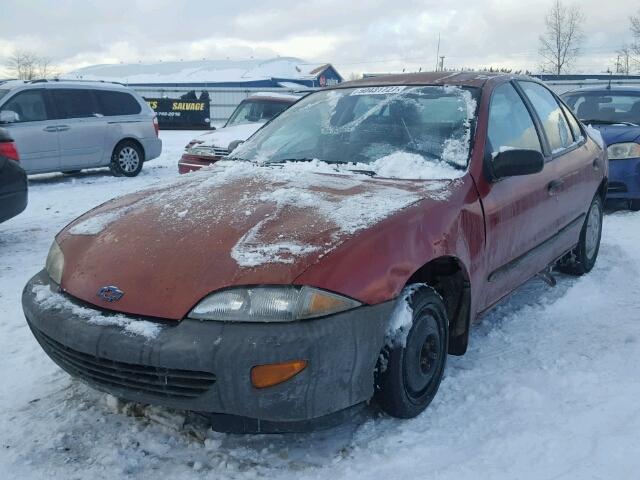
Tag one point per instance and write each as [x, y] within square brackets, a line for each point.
[9, 116]
[513, 163]
[233, 145]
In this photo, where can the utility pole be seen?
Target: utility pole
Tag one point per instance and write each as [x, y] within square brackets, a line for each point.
[618, 65]
[438, 53]
[442, 63]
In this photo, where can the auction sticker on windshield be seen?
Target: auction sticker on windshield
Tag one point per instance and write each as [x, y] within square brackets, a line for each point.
[378, 90]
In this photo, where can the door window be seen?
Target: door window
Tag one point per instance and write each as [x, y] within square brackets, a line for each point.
[29, 106]
[548, 109]
[510, 124]
[74, 103]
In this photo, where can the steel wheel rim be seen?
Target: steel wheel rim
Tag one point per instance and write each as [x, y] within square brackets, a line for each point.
[592, 234]
[422, 359]
[128, 159]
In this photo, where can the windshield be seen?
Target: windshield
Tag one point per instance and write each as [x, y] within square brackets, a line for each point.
[3, 93]
[253, 111]
[427, 125]
[606, 106]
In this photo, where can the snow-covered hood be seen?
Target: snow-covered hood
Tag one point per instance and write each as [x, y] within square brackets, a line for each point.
[222, 137]
[235, 223]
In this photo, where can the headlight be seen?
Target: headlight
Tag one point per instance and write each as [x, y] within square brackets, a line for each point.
[201, 151]
[270, 304]
[620, 151]
[55, 262]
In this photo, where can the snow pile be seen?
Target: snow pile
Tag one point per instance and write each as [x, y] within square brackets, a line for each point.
[411, 166]
[456, 150]
[95, 224]
[402, 317]
[52, 300]
[596, 136]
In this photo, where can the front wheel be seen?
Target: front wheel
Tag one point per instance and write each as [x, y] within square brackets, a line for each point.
[127, 159]
[410, 374]
[583, 257]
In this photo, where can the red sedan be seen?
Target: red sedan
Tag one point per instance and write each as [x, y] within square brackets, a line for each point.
[341, 253]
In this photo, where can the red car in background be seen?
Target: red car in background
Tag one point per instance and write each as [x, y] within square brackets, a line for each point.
[252, 113]
[337, 256]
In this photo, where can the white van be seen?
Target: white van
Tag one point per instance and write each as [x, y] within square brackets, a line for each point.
[67, 126]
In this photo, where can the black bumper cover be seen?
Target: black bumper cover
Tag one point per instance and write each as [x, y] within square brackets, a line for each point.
[214, 360]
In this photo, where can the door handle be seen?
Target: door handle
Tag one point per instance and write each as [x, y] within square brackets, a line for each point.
[63, 128]
[555, 186]
[50, 129]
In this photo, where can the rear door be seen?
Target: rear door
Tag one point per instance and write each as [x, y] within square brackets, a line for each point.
[519, 212]
[576, 169]
[35, 134]
[82, 128]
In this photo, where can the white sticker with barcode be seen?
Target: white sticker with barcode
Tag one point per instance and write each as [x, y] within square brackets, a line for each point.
[379, 90]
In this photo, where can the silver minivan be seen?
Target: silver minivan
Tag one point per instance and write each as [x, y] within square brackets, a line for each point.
[67, 126]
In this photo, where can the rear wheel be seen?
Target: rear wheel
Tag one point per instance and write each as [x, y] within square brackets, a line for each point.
[583, 257]
[414, 371]
[127, 159]
[634, 205]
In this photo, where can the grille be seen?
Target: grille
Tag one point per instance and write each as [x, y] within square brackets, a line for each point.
[220, 152]
[158, 381]
[617, 187]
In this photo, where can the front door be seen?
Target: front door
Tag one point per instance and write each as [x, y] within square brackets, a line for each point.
[34, 132]
[519, 211]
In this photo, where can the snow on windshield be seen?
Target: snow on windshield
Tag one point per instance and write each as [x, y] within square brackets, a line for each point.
[400, 131]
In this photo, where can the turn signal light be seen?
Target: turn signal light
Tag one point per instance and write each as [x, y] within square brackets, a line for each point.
[263, 376]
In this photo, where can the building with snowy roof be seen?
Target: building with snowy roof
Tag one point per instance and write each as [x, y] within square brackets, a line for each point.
[227, 82]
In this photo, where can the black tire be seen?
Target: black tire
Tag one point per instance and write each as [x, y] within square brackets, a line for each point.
[409, 381]
[71, 172]
[583, 257]
[634, 205]
[127, 159]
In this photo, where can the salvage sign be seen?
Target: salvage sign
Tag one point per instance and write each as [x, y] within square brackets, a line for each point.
[176, 113]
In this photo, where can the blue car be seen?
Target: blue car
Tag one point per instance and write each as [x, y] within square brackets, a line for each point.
[615, 112]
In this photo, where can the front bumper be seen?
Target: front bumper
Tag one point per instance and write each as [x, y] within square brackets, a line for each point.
[205, 366]
[190, 163]
[624, 179]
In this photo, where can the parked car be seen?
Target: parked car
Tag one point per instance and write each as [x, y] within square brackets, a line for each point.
[615, 112]
[67, 126]
[13, 179]
[251, 114]
[336, 256]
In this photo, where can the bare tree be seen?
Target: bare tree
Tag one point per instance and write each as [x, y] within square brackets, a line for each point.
[635, 31]
[27, 65]
[560, 44]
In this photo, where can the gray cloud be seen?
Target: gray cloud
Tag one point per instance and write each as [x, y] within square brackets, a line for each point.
[376, 35]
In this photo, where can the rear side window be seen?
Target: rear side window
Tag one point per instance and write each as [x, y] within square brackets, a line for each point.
[29, 105]
[74, 103]
[548, 109]
[510, 124]
[117, 103]
[573, 123]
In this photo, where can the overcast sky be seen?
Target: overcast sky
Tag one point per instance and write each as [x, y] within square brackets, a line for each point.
[356, 36]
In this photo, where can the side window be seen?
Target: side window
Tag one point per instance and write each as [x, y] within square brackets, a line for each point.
[74, 103]
[573, 123]
[117, 103]
[553, 121]
[29, 105]
[510, 124]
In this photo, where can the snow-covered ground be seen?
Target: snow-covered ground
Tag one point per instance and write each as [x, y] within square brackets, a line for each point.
[549, 388]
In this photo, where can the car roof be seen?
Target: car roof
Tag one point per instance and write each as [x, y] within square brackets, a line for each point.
[463, 79]
[12, 84]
